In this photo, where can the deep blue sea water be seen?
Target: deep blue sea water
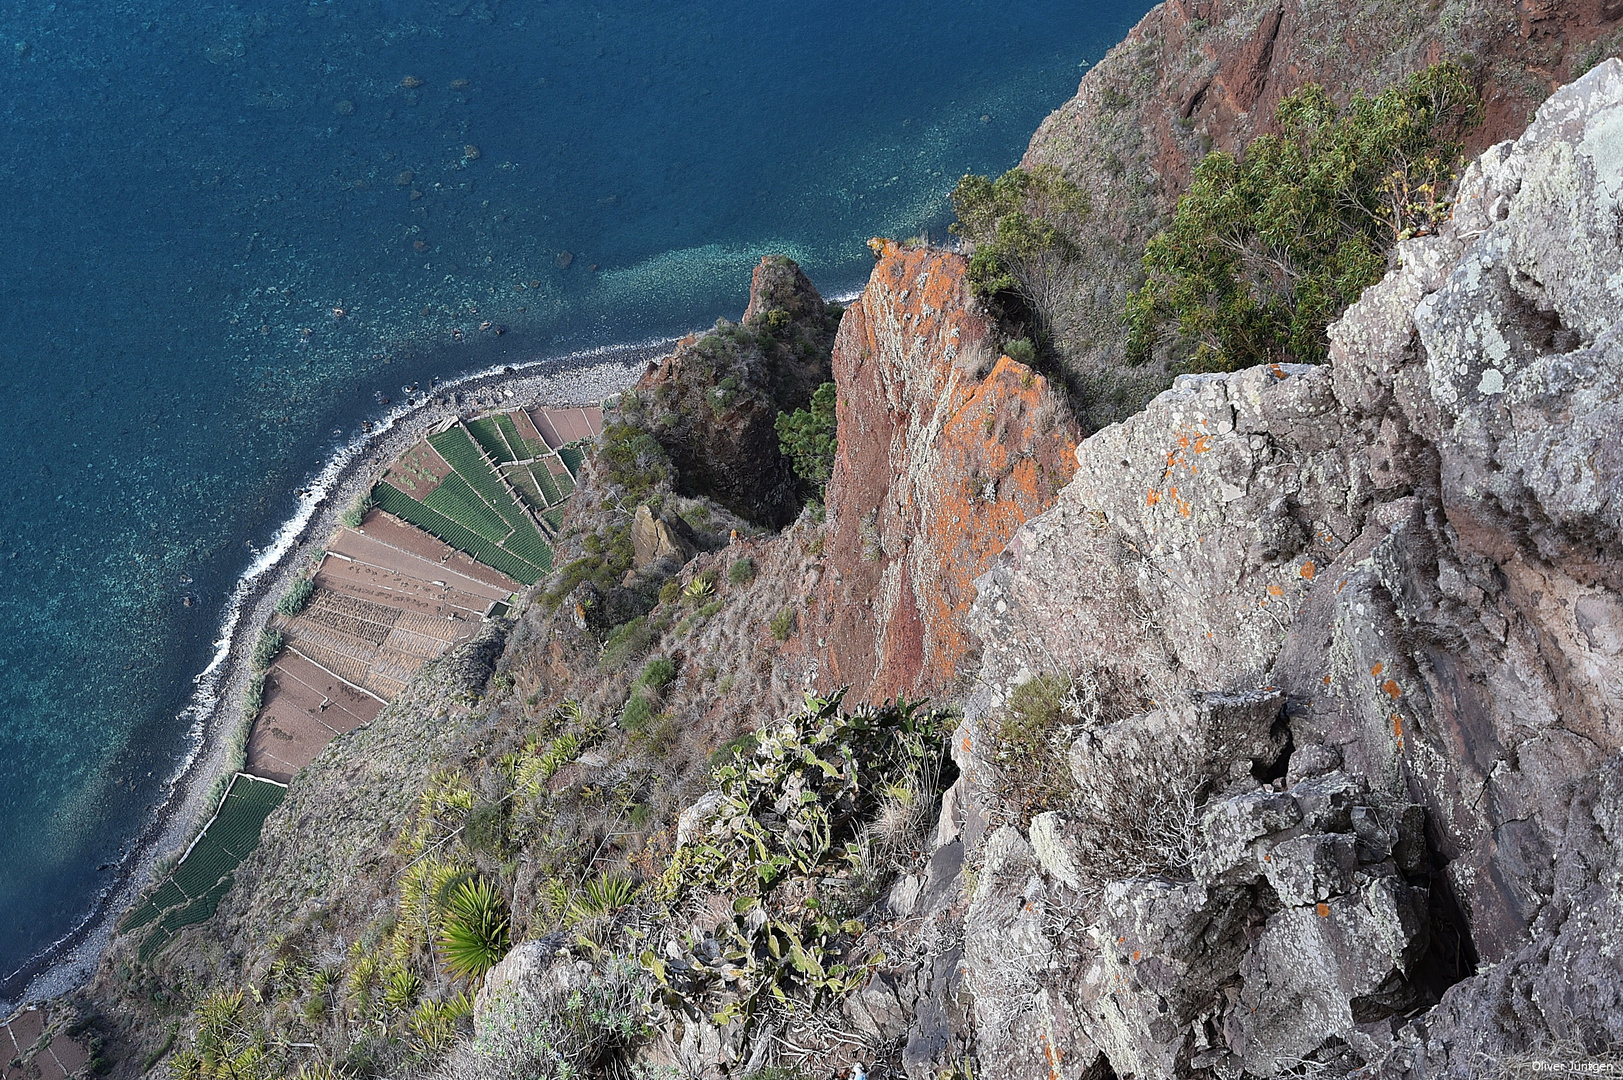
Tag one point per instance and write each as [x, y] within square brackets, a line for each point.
[191, 189]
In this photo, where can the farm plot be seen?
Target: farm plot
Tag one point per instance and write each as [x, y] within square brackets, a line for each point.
[473, 508]
[418, 471]
[202, 878]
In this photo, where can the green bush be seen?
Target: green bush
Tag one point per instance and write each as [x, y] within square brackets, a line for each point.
[1020, 220]
[658, 674]
[1031, 748]
[297, 597]
[625, 643]
[1267, 249]
[808, 437]
[486, 828]
[356, 514]
[783, 624]
[633, 458]
[474, 935]
[670, 592]
[1021, 350]
[604, 564]
[742, 572]
[253, 699]
[637, 712]
[265, 649]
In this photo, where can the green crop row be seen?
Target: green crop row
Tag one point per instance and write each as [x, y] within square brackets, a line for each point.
[573, 457]
[521, 479]
[431, 521]
[509, 430]
[457, 501]
[486, 433]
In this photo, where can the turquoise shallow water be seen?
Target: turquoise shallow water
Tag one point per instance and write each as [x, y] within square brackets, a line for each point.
[191, 190]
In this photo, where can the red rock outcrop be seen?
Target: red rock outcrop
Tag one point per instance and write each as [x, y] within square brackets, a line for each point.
[940, 460]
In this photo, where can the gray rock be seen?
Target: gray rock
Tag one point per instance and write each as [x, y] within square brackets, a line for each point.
[1048, 844]
[1306, 869]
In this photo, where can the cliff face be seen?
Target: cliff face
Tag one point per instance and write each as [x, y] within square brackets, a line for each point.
[1198, 75]
[715, 399]
[945, 448]
[1409, 558]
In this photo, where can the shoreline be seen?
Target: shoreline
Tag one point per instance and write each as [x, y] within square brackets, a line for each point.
[215, 705]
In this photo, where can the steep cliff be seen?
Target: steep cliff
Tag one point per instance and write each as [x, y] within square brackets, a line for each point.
[945, 447]
[1409, 560]
[713, 401]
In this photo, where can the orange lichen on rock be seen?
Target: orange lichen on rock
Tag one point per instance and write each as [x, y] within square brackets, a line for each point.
[940, 460]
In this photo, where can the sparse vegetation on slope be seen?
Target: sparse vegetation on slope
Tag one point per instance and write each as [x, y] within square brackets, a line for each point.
[1269, 246]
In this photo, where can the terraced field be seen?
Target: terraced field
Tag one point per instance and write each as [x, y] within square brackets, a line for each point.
[392, 593]
[490, 505]
[196, 886]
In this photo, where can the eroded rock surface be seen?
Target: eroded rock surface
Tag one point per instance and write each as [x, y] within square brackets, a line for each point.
[714, 401]
[946, 447]
[1414, 553]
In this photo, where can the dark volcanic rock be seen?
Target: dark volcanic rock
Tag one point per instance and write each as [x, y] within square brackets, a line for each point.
[714, 402]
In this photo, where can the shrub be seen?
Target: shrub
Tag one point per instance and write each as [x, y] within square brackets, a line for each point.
[1021, 350]
[741, 572]
[808, 438]
[1020, 224]
[783, 624]
[1032, 743]
[636, 714]
[1265, 250]
[474, 936]
[657, 674]
[633, 458]
[253, 699]
[605, 563]
[356, 514]
[730, 752]
[626, 642]
[265, 649]
[297, 596]
[557, 1033]
[670, 592]
[486, 828]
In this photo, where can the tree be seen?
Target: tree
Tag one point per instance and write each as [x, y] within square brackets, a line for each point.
[1266, 249]
[808, 438]
[1020, 224]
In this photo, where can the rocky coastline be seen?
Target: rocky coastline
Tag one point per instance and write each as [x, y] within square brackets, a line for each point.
[217, 703]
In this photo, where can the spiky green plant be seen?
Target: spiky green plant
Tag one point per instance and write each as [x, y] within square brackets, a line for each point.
[265, 649]
[601, 896]
[297, 597]
[401, 988]
[474, 935]
[434, 1022]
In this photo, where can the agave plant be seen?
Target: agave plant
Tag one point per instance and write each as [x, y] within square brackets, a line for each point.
[402, 988]
[601, 896]
[473, 936]
[700, 587]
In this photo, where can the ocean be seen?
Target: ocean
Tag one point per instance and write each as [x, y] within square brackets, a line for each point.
[233, 232]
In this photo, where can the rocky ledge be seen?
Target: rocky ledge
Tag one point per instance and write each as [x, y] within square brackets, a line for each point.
[1349, 638]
